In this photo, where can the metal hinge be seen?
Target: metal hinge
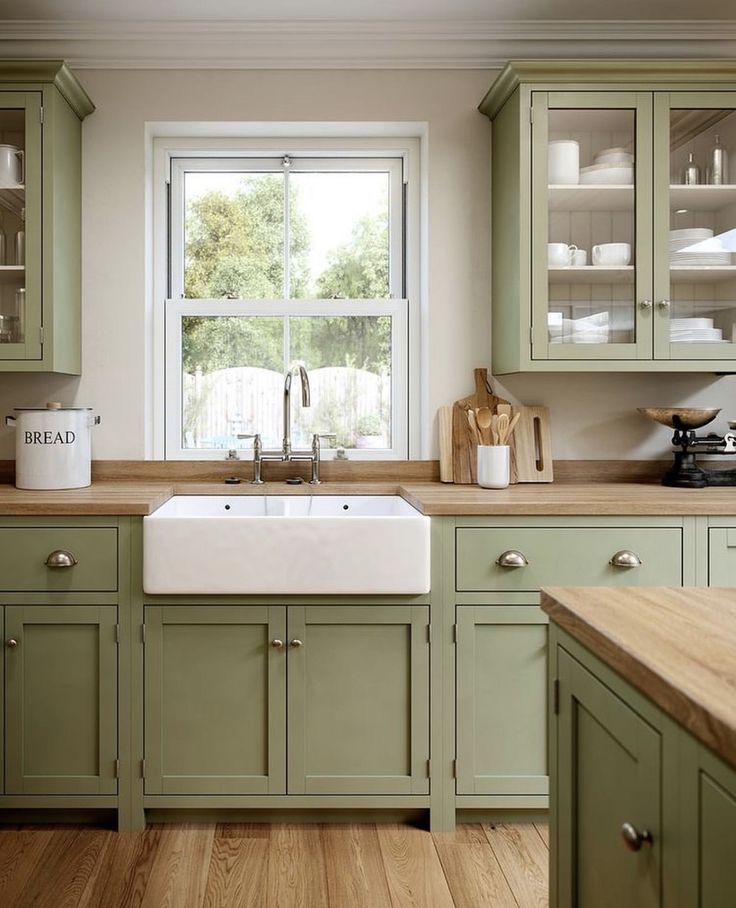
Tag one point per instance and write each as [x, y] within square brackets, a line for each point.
[531, 334]
[454, 769]
[40, 115]
[41, 334]
[454, 633]
[429, 633]
[143, 769]
[556, 696]
[143, 633]
[531, 114]
[429, 769]
[117, 633]
[117, 769]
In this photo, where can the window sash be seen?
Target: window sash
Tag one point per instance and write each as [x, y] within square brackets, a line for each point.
[298, 164]
[177, 309]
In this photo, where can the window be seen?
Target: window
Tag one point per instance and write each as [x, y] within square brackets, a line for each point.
[279, 260]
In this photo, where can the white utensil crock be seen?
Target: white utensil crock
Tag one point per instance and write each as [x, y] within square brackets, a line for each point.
[52, 446]
[11, 165]
[563, 162]
[493, 466]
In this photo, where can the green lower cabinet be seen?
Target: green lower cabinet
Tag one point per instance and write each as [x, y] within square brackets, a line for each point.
[215, 697]
[609, 773]
[358, 700]
[501, 700]
[722, 556]
[60, 700]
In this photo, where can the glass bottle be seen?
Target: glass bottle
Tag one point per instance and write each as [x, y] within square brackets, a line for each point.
[691, 173]
[718, 163]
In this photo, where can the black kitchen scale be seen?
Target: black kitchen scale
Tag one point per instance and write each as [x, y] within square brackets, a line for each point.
[685, 472]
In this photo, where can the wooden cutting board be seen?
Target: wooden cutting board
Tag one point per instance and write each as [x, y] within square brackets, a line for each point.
[463, 444]
[444, 424]
[532, 453]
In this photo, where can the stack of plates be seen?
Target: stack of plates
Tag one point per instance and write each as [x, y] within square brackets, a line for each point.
[591, 329]
[682, 239]
[610, 173]
[695, 331]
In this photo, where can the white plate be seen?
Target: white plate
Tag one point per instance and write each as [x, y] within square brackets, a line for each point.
[686, 232]
[690, 324]
[613, 174]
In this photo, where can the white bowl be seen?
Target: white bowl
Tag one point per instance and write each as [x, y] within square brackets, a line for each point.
[613, 174]
[614, 156]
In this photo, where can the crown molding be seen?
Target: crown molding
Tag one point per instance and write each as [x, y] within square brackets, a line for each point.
[333, 44]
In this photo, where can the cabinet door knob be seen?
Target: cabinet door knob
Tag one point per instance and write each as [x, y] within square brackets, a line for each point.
[276, 643]
[645, 305]
[12, 643]
[625, 559]
[663, 305]
[61, 559]
[512, 559]
[635, 839]
[296, 643]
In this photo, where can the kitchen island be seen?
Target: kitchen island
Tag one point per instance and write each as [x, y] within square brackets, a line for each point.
[642, 732]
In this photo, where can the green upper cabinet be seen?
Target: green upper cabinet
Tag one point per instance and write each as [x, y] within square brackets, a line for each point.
[614, 216]
[41, 109]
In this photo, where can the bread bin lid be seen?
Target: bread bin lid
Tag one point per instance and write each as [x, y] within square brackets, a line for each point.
[51, 405]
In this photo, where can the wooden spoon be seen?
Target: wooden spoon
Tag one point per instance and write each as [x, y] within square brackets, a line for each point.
[474, 432]
[503, 428]
[512, 426]
[484, 418]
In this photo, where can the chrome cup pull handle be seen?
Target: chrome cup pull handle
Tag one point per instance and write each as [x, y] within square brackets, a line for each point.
[512, 559]
[625, 559]
[61, 559]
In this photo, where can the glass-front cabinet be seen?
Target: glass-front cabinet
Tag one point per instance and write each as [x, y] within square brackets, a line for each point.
[20, 225]
[41, 109]
[614, 216]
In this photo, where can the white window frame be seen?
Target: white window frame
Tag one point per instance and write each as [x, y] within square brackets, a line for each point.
[170, 158]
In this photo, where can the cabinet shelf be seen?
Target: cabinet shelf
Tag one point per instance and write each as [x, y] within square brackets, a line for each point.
[687, 274]
[592, 197]
[11, 274]
[592, 274]
[702, 198]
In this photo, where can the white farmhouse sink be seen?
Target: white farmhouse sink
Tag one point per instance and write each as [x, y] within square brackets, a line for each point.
[286, 544]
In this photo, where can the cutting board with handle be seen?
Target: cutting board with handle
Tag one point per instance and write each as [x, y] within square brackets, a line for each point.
[463, 443]
[532, 450]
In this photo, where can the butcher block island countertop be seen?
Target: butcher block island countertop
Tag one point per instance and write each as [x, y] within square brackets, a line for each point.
[142, 497]
[677, 646]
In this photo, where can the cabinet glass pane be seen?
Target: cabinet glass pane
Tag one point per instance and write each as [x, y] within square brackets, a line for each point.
[12, 226]
[702, 239]
[591, 229]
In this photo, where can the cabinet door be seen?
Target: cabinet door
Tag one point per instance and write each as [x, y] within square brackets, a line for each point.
[501, 700]
[722, 556]
[358, 700]
[214, 699]
[20, 213]
[61, 699]
[608, 773]
[695, 226]
[591, 225]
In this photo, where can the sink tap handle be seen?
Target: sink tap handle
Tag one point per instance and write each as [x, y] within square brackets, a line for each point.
[330, 436]
[256, 440]
[257, 450]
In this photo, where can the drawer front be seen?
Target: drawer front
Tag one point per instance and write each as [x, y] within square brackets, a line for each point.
[577, 556]
[722, 556]
[24, 552]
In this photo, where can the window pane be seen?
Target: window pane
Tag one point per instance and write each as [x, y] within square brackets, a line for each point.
[233, 235]
[233, 379]
[339, 237]
[349, 364]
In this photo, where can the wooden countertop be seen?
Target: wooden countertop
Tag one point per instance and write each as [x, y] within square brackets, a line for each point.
[677, 646]
[111, 497]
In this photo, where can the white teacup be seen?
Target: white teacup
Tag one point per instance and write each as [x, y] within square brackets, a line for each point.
[611, 255]
[560, 255]
[580, 257]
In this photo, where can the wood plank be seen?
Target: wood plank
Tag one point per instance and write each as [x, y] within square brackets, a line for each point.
[354, 866]
[523, 858]
[238, 873]
[472, 870]
[413, 870]
[677, 646]
[543, 830]
[52, 872]
[113, 872]
[21, 852]
[138, 872]
[243, 831]
[179, 873]
[296, 868]
[72, 873]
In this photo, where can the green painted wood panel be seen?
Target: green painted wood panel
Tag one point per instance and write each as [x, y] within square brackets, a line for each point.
[501, 700]
[2, 700]
[722, 556]
[30, 348]
[717, 851]
[566, 556]
[23, 553]
[61, 700]
[358, 700]
[215, 700]
[609, 771]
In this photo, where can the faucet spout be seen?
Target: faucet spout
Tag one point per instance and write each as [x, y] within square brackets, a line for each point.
[299, 369]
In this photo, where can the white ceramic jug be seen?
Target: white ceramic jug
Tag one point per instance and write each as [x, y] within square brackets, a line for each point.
[12, 165]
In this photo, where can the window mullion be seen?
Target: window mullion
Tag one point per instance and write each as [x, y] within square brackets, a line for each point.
[287, 228]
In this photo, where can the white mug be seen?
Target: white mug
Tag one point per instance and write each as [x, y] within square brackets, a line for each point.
[580, 257]
[493, 466]
[611, 254]
[11, 165]
[560, 255]
[563, 162]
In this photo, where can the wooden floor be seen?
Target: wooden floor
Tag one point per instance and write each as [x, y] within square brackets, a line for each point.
[243, 865]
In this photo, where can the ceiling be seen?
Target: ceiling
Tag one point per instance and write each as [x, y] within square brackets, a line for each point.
[359, 34]
[352, 10]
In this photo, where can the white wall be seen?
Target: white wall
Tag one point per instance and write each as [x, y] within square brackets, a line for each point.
[592, 416]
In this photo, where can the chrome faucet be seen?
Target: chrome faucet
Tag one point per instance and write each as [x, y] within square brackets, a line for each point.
[286, 453]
